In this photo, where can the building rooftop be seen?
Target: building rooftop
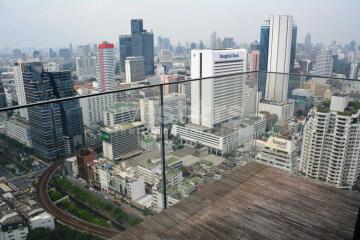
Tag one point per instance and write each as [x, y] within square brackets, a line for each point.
[256, 202]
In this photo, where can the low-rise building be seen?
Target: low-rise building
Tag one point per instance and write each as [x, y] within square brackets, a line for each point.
[39, 218]
[12, 225]
[279, 152]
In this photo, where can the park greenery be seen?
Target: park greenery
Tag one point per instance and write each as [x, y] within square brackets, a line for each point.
[84, 214]
[55, 195]
[95, 202]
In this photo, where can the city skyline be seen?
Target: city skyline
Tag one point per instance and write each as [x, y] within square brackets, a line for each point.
[80, 21]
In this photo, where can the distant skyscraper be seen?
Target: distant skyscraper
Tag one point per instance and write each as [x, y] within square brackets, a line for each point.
[254, 58]
[17, 53]
[2, 95]
[307, 43]
[71, 112]
[143, 45]
[228, 42]
[208, 107]
[85, 67]
[163, 43]
[136, 26]
[45, 120]
[134, 69]
[105, 67]
[354, 71]
[277, 54]
[324, 63]
[125, 48]
[213, 40]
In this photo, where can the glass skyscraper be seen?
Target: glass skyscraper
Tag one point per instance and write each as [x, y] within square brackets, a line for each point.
[71, 112]
[125, 48]
[45, 120]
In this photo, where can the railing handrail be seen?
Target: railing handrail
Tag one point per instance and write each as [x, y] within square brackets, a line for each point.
[57, 100]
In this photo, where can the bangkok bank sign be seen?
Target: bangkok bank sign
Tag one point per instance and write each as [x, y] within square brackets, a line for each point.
[229, 56]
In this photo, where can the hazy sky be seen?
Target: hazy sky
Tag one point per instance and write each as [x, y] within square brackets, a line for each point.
[55, 23]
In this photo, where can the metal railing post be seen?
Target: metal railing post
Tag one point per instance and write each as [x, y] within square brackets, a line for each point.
[163, 160]
[357, 227]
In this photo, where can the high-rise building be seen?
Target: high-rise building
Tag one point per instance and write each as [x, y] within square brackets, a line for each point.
[3, 102]
[136, 26]
[71, 112]
[121, 141]
[135, 69]
[254, 60]
[331, 143]
[208, 105]
[174, 110]
[125, 48]
[105, 67]
[228, 42]
[277, 54]
[93, 107]
[85, 67]
[213, 40]
[45, 120]
[120, 113]
[354, 71]
[19, 85]
[143, 44]
[163, 43]
[324, 63]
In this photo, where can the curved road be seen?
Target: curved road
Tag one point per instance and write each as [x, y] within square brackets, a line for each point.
[68, 219]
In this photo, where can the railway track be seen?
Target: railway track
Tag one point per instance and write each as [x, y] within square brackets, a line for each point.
[68, 219]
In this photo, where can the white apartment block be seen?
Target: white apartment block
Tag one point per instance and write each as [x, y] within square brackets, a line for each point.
[218, 99]
[279, 52]
[331, 143]
[19, 130]
[174, 110]
[93, 107]
[121, 141]
[279, 152]
[323, 65]
[120, 113]
[85, 67]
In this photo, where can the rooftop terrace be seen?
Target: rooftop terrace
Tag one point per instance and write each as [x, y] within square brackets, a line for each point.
[256, 202]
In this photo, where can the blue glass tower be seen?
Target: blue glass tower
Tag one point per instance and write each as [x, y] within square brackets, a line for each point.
[125, 48]
[263, 61]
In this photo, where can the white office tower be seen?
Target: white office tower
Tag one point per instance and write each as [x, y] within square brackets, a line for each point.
[121, 141]
[19, 85]
[279, 55]
[331, 143]
[85, 67]
[324, 63]
[174, 110]
[134, 69]
[354, 71]
[105, 67]
[216, 100]
[93, 107]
